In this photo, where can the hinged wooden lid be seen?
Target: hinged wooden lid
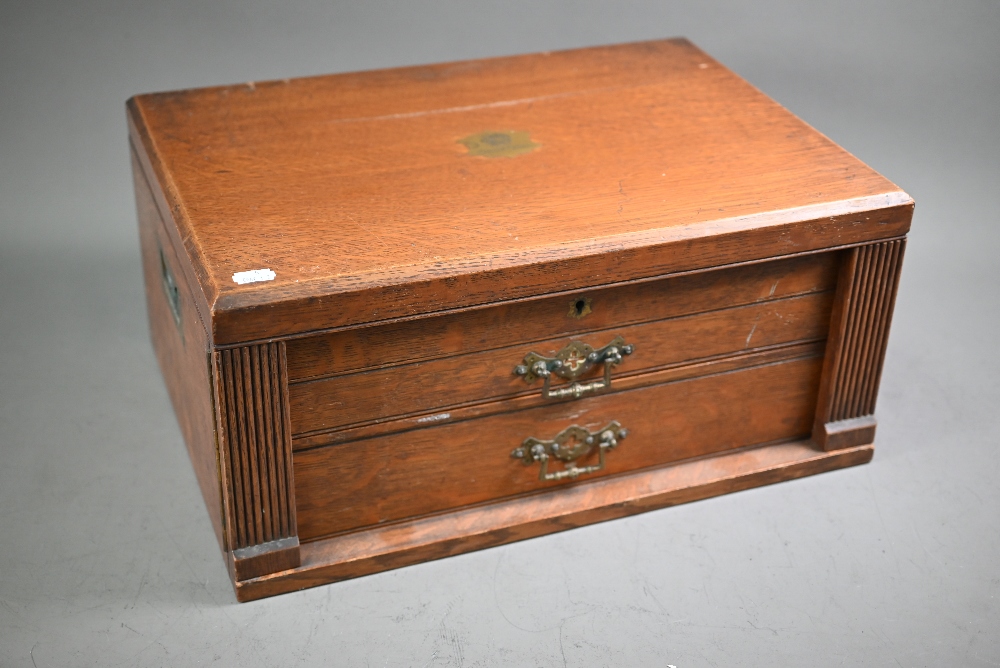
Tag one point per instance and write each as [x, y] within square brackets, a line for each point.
[396, 193]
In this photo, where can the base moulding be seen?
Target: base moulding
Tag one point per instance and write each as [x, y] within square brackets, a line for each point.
[423, 539]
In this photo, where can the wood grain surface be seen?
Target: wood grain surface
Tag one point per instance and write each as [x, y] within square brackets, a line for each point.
[472, 410]
[454, 465]
[862, 347]
[393, 546]
[355, 190]
[437, 385]
[548, 317]
[363, 402]
[255, 430]
[859, 333]
[181, 349]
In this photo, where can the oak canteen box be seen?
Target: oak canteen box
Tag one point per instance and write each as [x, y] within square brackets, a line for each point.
[409, 313]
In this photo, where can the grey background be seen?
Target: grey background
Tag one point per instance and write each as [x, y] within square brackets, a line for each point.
[106, 553]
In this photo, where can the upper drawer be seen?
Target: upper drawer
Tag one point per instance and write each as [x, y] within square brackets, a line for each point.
[440, 384]
[466, 359]
[568, 314]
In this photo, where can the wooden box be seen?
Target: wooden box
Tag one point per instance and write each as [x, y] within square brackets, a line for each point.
[409, 313]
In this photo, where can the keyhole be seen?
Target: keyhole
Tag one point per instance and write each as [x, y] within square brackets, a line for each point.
[579, 307]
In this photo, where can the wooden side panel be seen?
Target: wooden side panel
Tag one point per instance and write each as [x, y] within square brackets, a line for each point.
[180, 340]
[371, 481]
[856, 350]
[260, 491]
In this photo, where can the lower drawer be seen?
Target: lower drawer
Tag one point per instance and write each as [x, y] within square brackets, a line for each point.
[367, 482]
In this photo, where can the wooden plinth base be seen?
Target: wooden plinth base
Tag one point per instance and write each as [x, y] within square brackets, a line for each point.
[402, 544]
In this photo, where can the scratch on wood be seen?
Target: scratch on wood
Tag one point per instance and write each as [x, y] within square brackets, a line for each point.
[435, 418]
[472, 107]
[752, 330]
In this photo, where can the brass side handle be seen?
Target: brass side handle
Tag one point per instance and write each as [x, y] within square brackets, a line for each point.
[573, 361]
[172, 292]
[569, 445]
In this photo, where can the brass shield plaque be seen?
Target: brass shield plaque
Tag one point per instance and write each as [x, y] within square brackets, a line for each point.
[499, 143]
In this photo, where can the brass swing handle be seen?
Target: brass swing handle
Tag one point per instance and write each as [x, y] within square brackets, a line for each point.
[570, 363]
[568, 446]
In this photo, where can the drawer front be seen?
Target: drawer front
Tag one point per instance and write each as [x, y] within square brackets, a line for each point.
[553, 317]
[441, 384]
[397, 476]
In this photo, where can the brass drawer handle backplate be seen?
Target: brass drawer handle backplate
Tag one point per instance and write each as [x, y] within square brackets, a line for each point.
[568, 446]
[570, 363]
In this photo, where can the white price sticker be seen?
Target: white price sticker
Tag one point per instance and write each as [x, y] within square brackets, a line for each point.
[253, 276]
